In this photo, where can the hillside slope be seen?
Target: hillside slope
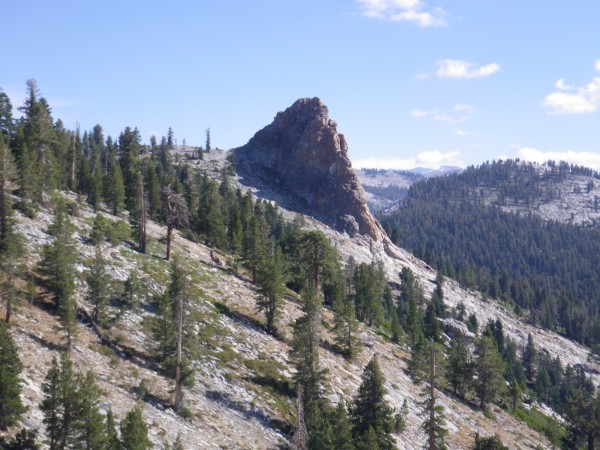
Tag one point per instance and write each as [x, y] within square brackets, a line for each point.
[230, 409]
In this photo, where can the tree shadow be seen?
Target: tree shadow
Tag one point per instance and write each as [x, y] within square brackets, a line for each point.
[249, 411]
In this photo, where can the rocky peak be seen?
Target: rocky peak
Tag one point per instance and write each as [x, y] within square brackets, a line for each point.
[302, 155]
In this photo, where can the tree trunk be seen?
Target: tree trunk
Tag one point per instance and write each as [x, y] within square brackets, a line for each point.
[169, 237]
[591, 440]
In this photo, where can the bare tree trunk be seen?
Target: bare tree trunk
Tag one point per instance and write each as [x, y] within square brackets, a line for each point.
[300, 439]
[169, 237]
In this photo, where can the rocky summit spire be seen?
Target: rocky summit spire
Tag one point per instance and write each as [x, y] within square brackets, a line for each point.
[301, 155]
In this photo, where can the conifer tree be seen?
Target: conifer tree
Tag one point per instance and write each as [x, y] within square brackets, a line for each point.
[11, 406]
[346, 328]
[23, 440]
[342, 428]
[141, 219]
[132, 291]
[370, 410]
[529, 358]
[489, 368]
[112, 436]
[209, 215]
[316, 253]
[318, 426]
[60, 403]
[116, 189]
[176, 212]
[460, 367]
[433, 413]
[89, 425]
[58, 265]
[413, 323]
[309, 375]
[39, 135]
[98, 287]
[437, 298]
[11, 245]
[134, 431]
[270, 281]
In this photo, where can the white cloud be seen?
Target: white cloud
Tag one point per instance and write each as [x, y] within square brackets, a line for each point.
[459, 107]
[456, 68]
[459, 113]
[430, 159]
[419, 113]
[572, 100]
[587, 159]
[465, 133]
[403, 11]
[560, 84]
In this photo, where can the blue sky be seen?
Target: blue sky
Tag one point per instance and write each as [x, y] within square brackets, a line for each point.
[409, 82]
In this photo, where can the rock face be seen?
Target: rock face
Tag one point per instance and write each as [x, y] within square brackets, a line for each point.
[302, 155]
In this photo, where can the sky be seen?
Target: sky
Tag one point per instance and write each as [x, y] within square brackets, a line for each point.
[409, 82]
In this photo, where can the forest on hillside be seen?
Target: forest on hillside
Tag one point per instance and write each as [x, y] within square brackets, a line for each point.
[41, 160]
[546, 270]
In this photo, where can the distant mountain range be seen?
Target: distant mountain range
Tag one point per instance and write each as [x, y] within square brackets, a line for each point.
[386, 187]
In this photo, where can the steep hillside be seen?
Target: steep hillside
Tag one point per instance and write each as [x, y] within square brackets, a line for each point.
[230, 404]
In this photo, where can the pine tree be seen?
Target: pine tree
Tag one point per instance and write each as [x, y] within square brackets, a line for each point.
[132, 291]
[413, 323]
[342, 429]
[11, 406]
[437, 298]
[209, 220]
[309, 375]
[460, 367]
[318, 426]
[141, 215]
[176, 212]
[134, 431]
[11, 245]
[98, 283]
[115, 197]
[316, 253]
[60, 403]
[23, 440]
[89, 426]
[433, 412]
[529, 358]
[58, 265]
[39, 136]
[112, 436]
[489, 369]
[270, 281]
[346, 328]
[370, 410]
[51, 406]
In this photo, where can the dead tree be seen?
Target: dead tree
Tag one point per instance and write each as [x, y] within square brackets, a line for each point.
[177, 214]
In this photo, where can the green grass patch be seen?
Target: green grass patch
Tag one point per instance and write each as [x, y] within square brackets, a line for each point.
[540, 422]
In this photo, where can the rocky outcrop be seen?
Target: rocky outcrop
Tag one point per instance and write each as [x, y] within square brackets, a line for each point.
[302, 155]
